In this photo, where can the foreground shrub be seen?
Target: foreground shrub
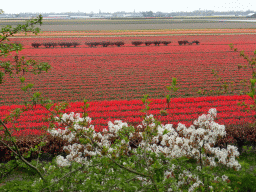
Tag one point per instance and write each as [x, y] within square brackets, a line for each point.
[152, 156]
[53, 146]
[241, 134]
[17, 43]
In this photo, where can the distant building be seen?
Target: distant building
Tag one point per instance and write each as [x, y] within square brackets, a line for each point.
[5, 16]
[251, 15]
[79, 17]
[57, 17]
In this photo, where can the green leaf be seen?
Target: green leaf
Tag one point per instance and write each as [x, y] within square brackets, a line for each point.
[165, 132]
[145, 96]
[1, 77]
[22, 79]
[251, 94]
[253, 81]
[174, 81]
[168, 97]
[168, 87]
[48, 106]
[36, 95]
[231, 45]
[30, 85]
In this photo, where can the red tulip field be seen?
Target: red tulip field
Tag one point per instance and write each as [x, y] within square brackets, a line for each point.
[183, 110]
[114, 79]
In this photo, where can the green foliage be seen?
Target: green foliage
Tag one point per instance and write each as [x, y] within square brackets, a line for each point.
[252, 92]
[171, 88]
[146, 103]
[28, 86]
[108, 176]
[20, 65]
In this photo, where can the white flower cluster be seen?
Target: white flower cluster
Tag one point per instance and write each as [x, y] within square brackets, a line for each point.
[144, 180]
[118, 124]
[149, 118]
[75, 119]
[182, 181]
[193, 140]
[174, 143]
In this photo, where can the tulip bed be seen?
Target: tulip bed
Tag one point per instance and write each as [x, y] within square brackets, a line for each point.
[113, 73]
[104, 74]
[183, 110]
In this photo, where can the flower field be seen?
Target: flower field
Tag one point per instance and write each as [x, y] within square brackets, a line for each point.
[114, 79]
[183, 110]
[114, 73]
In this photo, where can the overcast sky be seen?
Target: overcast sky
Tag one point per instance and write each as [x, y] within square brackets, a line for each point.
[58, 6]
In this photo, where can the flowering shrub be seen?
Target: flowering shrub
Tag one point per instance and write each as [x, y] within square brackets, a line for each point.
[163, 154]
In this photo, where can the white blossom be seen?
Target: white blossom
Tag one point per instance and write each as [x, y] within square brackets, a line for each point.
[224, 177]
[172, 145]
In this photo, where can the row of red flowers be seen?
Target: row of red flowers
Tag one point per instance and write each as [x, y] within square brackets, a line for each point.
[184, 110]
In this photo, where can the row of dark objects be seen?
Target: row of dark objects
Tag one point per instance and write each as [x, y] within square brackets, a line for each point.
[107, 43]
[51, 44]
[157, 43]
[75, 44]
[188, 43]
